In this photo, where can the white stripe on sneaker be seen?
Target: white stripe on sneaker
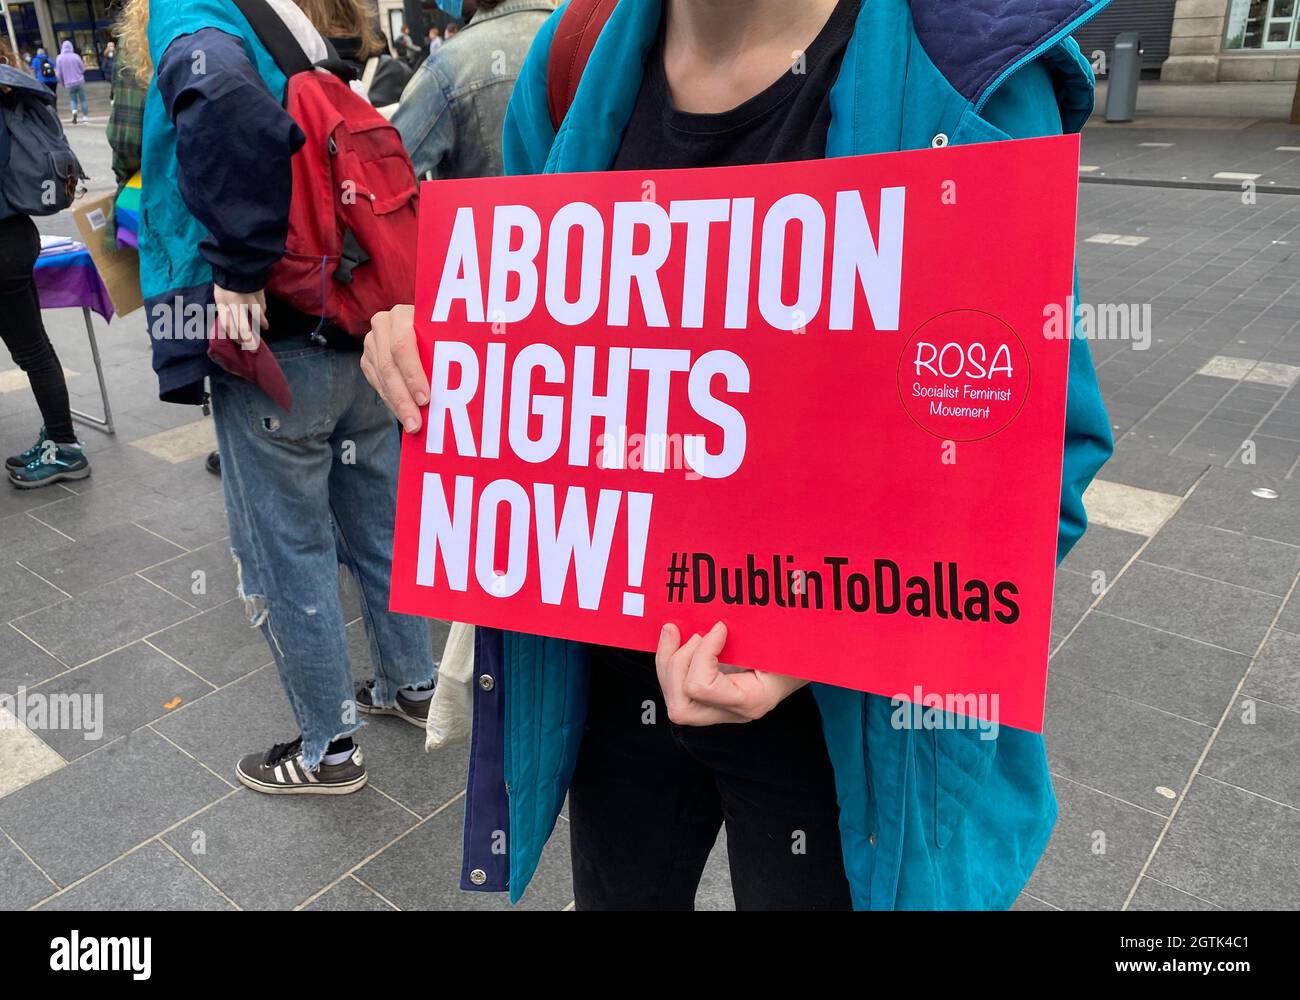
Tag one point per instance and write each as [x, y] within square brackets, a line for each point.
[309, 775]
[292, 774]
[279, 774]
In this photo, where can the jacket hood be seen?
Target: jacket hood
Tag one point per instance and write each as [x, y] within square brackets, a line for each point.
[67, 47]
[16, 79]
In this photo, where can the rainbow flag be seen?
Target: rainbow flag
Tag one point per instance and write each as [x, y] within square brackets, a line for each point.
[127, 214]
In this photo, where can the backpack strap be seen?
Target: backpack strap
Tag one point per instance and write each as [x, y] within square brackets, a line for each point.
[575, 36]
[275, 35]
[368, 74]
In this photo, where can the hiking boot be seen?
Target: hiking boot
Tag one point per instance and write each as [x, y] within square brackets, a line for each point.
[31, 454]
[68, 461]
[414, 712]
[280, 771]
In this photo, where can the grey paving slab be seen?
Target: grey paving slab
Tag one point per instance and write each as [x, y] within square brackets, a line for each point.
[189, 523]
[271, 852]
[1258, 749]
[1225, 555]
[126, 689]
[399, 766]
[1096, 852]
[1289, 619]
[1232, 848]
[21, 882]
[1153, 895]
[13, 502]
[99, 507]
[217, 644]
[351, 895]
[76, 567]
[1070, 600]
[1093, 739]
[1105, 549]
[1192, 606]
[1225, 498]
[151, 878]
[434, 852]
[1275, 674]
[86, 814]
[1027, 902]
[103, 619]
[1168, 672]
[22, 592]
[204, 577]
[23, 663]
[247, 716]
[116, 463]
[21, 536]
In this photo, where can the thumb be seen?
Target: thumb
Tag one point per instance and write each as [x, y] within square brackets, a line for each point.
[713, 641]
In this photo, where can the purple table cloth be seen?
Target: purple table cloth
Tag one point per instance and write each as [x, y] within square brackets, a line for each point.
[70, 279]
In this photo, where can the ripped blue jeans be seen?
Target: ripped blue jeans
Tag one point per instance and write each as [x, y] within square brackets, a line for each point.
[305, 491]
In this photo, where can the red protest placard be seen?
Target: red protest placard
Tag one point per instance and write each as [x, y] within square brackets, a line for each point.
[817, 401]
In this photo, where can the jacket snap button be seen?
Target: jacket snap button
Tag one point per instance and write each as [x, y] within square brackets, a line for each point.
[478, 876]
[485, 682]
[872, 840]
[939, 140]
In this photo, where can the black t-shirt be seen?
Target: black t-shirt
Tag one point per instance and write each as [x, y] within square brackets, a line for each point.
[787, 121]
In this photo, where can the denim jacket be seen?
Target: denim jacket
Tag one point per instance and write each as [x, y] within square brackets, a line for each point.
[452, 111]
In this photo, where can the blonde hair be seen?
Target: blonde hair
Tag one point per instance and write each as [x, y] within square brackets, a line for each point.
[7, 56]
[133, 29]
[330, 17]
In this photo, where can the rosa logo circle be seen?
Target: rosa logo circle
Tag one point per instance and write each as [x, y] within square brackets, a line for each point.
[964, 375]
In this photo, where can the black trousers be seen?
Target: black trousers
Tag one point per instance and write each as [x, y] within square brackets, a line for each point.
[22, 330]
[648, 798]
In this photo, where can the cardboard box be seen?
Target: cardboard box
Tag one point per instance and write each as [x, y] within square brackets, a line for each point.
[118, 267]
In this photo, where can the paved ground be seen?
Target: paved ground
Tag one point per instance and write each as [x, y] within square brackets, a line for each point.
[1174, 703]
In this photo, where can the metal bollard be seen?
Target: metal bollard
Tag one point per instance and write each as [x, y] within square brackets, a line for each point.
[1125, 71]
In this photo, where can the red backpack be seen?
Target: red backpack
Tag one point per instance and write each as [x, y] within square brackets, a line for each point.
[354, 212]
[353, 218]
[575, 36]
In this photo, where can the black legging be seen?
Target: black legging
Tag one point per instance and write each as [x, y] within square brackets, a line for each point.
[22, 330]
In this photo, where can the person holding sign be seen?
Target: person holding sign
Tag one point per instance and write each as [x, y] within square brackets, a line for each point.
[828, 803]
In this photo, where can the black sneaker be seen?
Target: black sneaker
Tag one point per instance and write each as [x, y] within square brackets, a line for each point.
[282, 772]
[213, 462]
[414, 712]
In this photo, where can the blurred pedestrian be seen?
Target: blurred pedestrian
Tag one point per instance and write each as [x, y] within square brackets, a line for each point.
[407, 50]
[72, 74]
[108, 62]
[452, 112]
[44, 70]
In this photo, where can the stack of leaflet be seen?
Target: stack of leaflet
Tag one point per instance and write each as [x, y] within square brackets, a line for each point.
[53, 246]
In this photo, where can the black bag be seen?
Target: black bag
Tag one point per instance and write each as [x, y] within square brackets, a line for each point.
[40, 173]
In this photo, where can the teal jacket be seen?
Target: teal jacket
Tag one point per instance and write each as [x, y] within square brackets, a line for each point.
[928, 819]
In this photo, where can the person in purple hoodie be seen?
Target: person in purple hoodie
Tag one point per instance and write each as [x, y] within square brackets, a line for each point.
[72, 74]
